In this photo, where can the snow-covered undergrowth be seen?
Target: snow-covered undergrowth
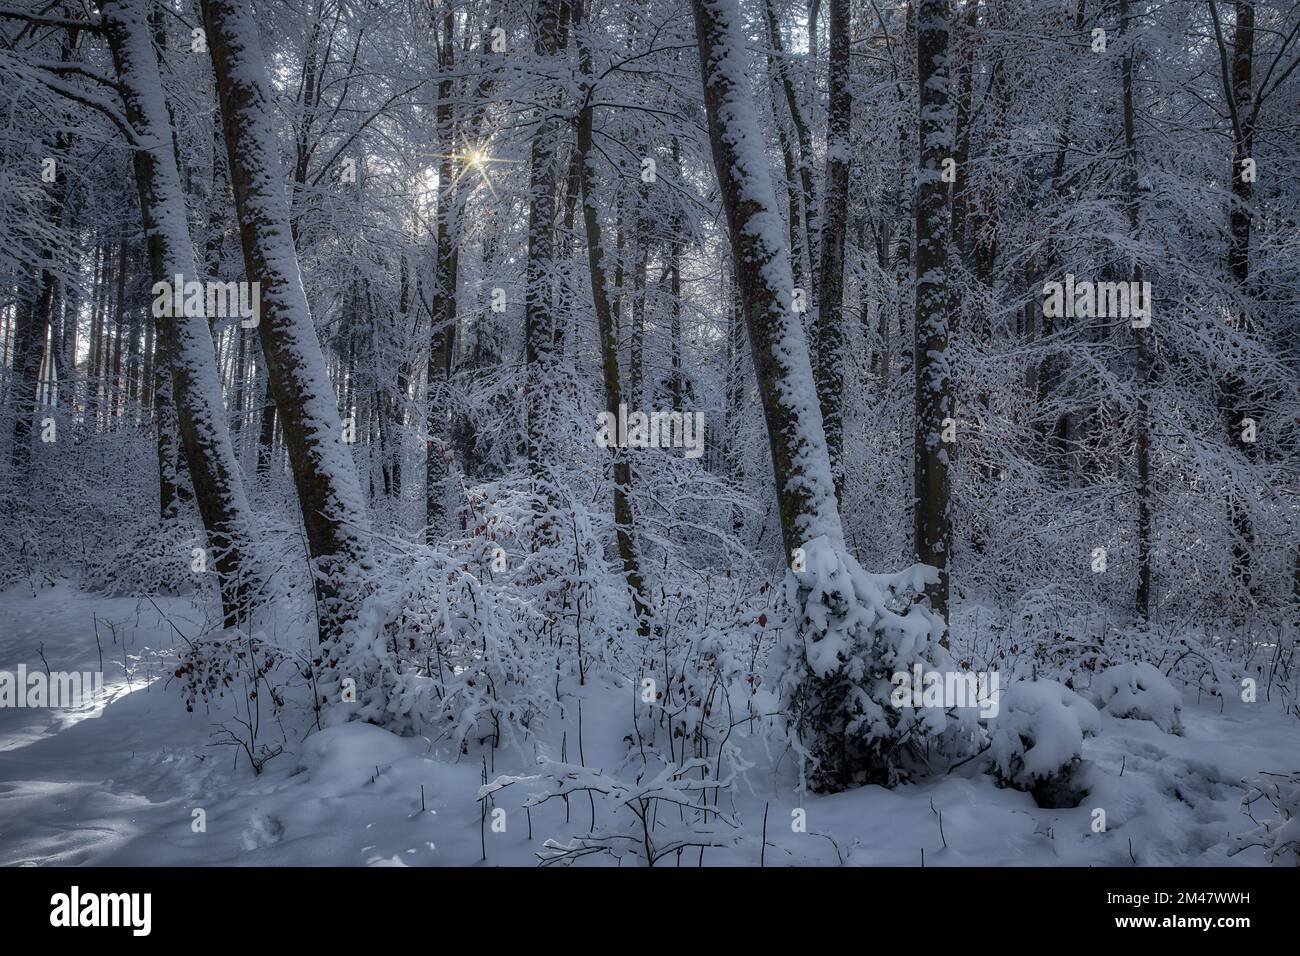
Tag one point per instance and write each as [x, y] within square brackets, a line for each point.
[494, 701]
[852, 632]
[521, 746]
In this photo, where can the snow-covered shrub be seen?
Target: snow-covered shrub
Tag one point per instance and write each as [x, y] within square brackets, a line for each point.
[698, 677]
[1057, 633]
[1052, 630]
[1190, 656]
[1139, 691]
[1037, 741]
[472, 644]
[84, 512]
[695, 694]
[153, 558]
[1280, 834]
[850, 632]
[254, 672]
[639, 826]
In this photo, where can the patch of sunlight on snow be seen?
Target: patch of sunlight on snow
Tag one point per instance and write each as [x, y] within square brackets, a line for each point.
[59, 719]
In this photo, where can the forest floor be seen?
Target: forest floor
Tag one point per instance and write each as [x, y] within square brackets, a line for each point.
[122, 782]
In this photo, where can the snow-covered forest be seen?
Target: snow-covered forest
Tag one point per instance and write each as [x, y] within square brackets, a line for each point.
[724, 432]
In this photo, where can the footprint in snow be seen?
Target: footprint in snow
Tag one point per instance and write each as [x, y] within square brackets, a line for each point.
[262, 831]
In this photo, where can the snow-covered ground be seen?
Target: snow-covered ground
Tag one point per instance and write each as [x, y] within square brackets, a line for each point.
[138, 780]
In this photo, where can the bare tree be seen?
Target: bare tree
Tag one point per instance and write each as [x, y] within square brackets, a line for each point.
[587, 175]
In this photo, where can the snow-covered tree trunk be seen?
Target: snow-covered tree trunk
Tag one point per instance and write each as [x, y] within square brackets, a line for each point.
[172, 489]
[805, 491]
[35, 318]
[734, 386]
[1236, 406]
[676, 381]
[828, 327]
[793, 204]
[1053, 425]
[636, 334]
[333, 509]
[801, 152]
[1243, 145]
[442, 322]
[539, 304]
[183, 339]
[931, 524]
[66, 342]
[119, 323]
[960, 198]
[30, 327]
[266, 425]
[1141, 429]
[846, 636]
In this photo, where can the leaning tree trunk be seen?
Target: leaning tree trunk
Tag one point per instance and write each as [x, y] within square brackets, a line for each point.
[333, 509]
[792, 204]
[801, 466]
[931, 524]
[842, 644]
[184, 340]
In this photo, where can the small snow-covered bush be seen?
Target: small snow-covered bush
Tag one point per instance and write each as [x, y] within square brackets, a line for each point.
[655, 816]
[851, 631]
[1037, 741]
[154, 558]
[1280, 835]
[255, 672]
[1137, 690]
[471, 644]
[85, 512]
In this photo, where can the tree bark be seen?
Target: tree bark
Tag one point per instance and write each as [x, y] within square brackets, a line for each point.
[828, 327]
[931, 524]
[539, 302]
[1236, 407]
[962, 100]
[802, 152]
[1142, 438]
[801, 466]
[188, 349]
[333, 510]
[442, 311]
